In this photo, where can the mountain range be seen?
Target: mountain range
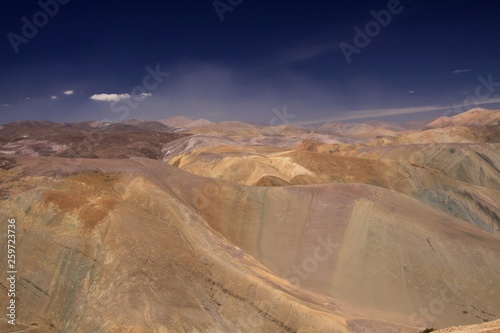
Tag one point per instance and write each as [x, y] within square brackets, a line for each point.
[184, 225]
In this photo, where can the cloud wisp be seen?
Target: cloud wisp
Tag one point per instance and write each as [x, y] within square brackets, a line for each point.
[116, 97]
[459, 71]
[378, 113]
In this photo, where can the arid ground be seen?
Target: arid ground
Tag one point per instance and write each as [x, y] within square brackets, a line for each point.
[193, 226]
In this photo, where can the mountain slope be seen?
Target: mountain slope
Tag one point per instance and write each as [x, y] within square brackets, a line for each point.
[474, 117]
[138, 246]
[176, 121]
[460, 180]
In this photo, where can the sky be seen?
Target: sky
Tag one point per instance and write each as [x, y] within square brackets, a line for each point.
[268, 62]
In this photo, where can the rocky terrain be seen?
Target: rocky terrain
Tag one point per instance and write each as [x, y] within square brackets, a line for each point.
[493, 327]
[86, 140]
[235, 227]
[474, 117]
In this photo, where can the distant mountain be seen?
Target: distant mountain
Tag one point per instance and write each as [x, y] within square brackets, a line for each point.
[176, 121]
[118, 127]
[236, 125]
[344, 227]
[353, 130]
[228, 128]
[154, 126]
[135, 125]
[133, 122]
[199, 122]
[410, 125]
[474, 117]
[190, 143]
[117, 140]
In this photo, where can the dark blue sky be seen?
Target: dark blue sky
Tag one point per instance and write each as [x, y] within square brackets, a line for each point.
[263, 55]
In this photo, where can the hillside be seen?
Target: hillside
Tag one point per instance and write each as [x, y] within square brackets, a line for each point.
[235, 227]
[474, 117]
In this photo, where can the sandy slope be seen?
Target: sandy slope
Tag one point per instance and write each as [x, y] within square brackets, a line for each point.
[474, 117]
[354, 130]
[493, 327]
[390, 234]
[139, 246]
[125, 255]
[177, 121]
[461, 180]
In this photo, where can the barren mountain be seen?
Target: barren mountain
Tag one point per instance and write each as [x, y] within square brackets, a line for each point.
[117, 140]
[438, 175]
[184, 122]
[474, 117]
[357, 256]
[187, 144]
[493, 327]
[354, 130]
[400, 127]
[198, 123]
[236, 227]
[177, 121]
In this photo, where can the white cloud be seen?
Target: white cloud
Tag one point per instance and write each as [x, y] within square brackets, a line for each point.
[145, 95]
[109, 97]
[118, 97]
[68, 92]
[6, 105]
[53, 97]
[27, 98]
[458, 71]
[411, 91]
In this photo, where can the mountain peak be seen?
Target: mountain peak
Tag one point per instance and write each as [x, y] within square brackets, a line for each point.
[176, 121]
